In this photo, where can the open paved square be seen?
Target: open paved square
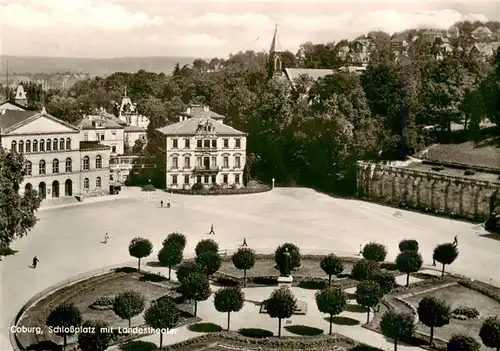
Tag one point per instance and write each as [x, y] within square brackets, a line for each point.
[68, 240]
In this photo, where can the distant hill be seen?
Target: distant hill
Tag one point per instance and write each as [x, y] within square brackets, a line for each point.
[98, 67]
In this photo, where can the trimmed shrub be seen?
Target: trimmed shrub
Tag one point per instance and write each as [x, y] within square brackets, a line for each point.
[209, 261]
[445, 254]
[256, 333]
[434, 313]
[397, 326]
[140, 248]
[469, 312]
[265, 280]
[408, 245]
[186, 269]
[409, 262]
[364, 270]
[206, 245]
[128, 304]
[177, 238]
[229, 300]
[368, 294]
[94, 338]
[386, 280]
[313, 284]
[490, 332]
[102, 303]
[281, 304]
[332, 265]
[462, 343]
[66, 316]
[374, 252]
[244, 259]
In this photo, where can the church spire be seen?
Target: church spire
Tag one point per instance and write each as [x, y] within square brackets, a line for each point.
[275, 44]
[275, 68]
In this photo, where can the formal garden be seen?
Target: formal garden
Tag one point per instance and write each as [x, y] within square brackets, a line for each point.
[407, 304]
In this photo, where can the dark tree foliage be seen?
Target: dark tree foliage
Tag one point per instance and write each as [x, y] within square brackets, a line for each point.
[332, 265]
[368, 294]
[445, 254]
[408, 245]
[66, 315]
[490, 332]
[281, 304]
[374, 252]
[397, 326]
[364, 270]
[17, 211]
[95, 337]
[434, 313]
[244, 259]
[162, 314]
[386, 280]
[170, 255]
[463, 343]
[128, 304]
[229, 300]
[209, 262]
[186, 269]
[206, 245]
[294, 258]
[177, 238]
[195, 287]
[331, 301]
[409, 262]
[140, 248]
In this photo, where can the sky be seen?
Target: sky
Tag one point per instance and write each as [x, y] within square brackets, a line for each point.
[118, 28]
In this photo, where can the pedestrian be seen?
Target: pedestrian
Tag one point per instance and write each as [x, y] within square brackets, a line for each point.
[212, 231]
[35, 261]
[433, 261]
[455, 241]
[360, 250]
[244, 242]
[161, 203]
[168, 204]
[106, 237]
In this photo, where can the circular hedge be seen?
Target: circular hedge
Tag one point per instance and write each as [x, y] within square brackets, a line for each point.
[256, 333]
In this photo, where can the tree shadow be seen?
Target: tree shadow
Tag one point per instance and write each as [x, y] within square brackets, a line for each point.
[364, 348]
[303, 330]
[46, 345]
[356, 308]
[138, 346]
[154, 264]
[7, 251]
[204, 328]
[149, 277]
[339, 320]
[491, 236]
[412, 341]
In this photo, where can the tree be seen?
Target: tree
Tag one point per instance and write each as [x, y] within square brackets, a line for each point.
[17, 216]
[408, 245]
[140, 248]
[332, 301]
[162, 314]
[368, 294]
[409, 262]
[386, 280]
[65, 316]
[434, 313]
[209, 262]
[445, 254]
[244, 259]
[95, 337]
[128, 304]
[364, 270]
[175, 237]
[490, 332]
[170, 255]
[281, 304]
[229, 300]
[206, 245]
[280, 257]
[374, 252]
[463, 343]
[138, 147]
[332, 265]
[195, 287]
[186, 269]
[397, 326]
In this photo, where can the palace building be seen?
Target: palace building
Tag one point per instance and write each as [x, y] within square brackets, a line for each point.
[58, 163]
[200, 148]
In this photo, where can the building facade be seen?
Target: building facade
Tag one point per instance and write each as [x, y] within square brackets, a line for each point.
[58, 164]
[135, 124]
[200, 148]
[104, 130]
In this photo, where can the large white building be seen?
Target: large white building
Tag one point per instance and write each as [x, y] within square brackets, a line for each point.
[200, 148]
[135, 124]
[99, 127]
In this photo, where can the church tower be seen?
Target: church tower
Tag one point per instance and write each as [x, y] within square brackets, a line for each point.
[275, 62]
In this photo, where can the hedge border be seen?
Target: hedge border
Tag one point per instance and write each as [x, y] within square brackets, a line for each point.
[238, 191]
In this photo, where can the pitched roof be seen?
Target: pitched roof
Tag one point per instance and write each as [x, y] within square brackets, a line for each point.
[203, 113]
[190, 127]
[134, 129]
[482, 30]
[88, 123]
[3, 102]
[315, 74]
[11, 119]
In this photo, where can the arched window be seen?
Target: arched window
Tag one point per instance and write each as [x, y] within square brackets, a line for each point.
[61, 144]
[48, 145]
[28, 146]
[21, 146]
[29, 168]
[86, 163]
[55, 166]
[35, 145]
[42, 145]
[86, 183]
[69, 164]
[13, 146]
[98, 162]
[98, 182]
[41, 167]
[54, 144]
[68, 143]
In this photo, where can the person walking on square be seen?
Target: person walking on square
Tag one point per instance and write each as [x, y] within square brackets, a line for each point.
[35, 261]
[168, 204]
[244, 242]
[161, 203]
[212, 231]
[455, 241]
[106, 237]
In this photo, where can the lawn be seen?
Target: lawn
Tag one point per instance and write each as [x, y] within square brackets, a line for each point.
[456, 296]
[83, 294]
[265, 267]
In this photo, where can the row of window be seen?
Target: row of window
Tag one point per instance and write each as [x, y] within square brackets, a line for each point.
[206, 179]
[206, 143]
[86, 183]
[41, 146]
[69, 165]
[206, 162]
